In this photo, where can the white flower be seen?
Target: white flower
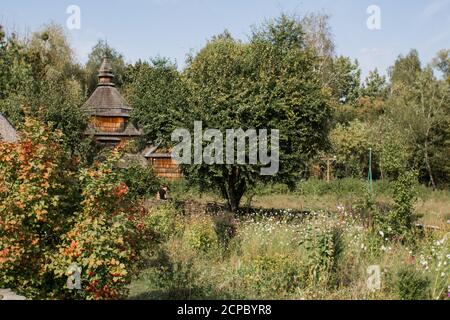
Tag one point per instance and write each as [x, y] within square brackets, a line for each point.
[381, 233]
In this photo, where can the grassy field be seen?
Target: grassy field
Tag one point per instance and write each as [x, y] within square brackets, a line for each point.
[432, 206]
[315, 246]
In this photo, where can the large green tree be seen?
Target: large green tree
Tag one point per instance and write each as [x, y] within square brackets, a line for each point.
[16, 78]
[271, 82]
[158, 96]
[420, 105]
[41, 79]
[98, 52]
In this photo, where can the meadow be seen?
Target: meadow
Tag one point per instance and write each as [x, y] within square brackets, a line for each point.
[312, 242]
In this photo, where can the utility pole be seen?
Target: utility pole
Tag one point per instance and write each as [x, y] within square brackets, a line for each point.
[329, 160]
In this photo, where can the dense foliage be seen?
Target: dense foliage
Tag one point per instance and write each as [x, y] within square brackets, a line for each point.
[55, 212]
[269, 83]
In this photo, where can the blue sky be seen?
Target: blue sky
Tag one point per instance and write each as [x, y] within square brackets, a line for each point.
[173, 28]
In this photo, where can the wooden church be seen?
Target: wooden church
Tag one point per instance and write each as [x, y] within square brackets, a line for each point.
[110, 123]
[110, 114]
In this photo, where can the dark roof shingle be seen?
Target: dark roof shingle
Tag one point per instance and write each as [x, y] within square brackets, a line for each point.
[107, 101]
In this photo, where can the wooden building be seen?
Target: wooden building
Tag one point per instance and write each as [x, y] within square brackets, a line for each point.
[110, 125]
[110, 114]
[7, 131]
[162, 162]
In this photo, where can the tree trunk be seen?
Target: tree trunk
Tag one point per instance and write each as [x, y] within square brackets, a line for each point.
[234, 190]
[427, 162]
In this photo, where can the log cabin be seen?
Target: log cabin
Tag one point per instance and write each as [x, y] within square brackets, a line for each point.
[163, 164]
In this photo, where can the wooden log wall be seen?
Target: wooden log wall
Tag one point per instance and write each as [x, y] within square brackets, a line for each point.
[165, 167]
[109, 124]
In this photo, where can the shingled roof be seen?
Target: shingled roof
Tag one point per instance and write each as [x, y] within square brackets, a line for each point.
[7, 131]
[106, 100]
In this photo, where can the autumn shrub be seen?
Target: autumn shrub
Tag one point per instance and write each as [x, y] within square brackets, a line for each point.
[55, 213]
[39, 194]
[106, 238]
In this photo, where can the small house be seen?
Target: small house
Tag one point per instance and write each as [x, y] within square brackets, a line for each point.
[163, 164]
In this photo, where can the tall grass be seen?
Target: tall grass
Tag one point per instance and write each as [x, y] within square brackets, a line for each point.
[319, 255]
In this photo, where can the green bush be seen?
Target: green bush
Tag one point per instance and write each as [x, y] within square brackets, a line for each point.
[163, 222]
[178, 280]
[141, 181]
[264, 276]
[398, 222]
[225, 227]
[338, 187]
[201, 235]
[324, 249]
[411, 284]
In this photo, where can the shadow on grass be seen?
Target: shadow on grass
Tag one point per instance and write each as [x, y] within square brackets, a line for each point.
[178, 294]
[172, 278]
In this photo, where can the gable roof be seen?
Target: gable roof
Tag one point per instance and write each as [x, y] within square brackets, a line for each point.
[7, 131]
